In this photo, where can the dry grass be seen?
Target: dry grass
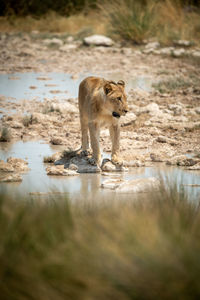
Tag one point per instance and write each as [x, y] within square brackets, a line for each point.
[53, 22]
[134, 21]
[176, 23]
[129, 20]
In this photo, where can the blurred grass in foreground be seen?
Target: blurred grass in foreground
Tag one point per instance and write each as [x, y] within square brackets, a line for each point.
[146, 248]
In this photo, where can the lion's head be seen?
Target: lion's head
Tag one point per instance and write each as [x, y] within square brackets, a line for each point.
[116, 100]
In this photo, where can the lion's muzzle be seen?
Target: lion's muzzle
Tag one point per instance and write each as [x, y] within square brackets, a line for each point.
[115, 114]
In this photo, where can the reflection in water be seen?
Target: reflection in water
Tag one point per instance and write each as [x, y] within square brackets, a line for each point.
[83, 186]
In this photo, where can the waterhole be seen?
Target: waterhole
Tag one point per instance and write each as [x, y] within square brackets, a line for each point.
[83, 185]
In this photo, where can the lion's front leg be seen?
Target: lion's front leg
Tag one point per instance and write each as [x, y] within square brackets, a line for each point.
[94, 139]
[115, 136]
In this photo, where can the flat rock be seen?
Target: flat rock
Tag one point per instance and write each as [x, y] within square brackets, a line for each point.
[141, 185]
[59, 170]
[98, 40]
[83, 165]
[15, 177]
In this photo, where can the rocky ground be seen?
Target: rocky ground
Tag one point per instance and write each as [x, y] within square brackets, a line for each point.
[163, 124]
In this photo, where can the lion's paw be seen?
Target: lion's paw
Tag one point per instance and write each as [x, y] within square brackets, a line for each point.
[117, 160]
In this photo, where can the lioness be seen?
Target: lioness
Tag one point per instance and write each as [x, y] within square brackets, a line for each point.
[101, 102]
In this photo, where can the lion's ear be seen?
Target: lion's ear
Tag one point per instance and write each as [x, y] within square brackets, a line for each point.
[107, 88]
[121, 82]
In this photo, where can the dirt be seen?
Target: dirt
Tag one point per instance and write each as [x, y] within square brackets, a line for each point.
[170, 126]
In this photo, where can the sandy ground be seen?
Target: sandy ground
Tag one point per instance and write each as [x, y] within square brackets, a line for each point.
[159, 126]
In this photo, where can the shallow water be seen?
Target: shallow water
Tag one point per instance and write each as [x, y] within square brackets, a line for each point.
[54, 85]
[83, 185]
[38, 85]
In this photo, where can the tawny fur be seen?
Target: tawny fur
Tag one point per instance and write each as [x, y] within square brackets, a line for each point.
[98, 100]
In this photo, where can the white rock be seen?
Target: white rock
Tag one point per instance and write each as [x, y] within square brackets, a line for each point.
[197, 110]
[148, 50]
[127, 51]
[178, 52]
[152, 109]
[184, 43]
[167, 50]
[70, 39]
[152, 45]
[196, 54]
[98, 40]
[65, 107]
[54, 41]
[128, 119]
[68, 47]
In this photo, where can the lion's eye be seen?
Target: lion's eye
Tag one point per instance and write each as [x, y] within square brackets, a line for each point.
[119, 98]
